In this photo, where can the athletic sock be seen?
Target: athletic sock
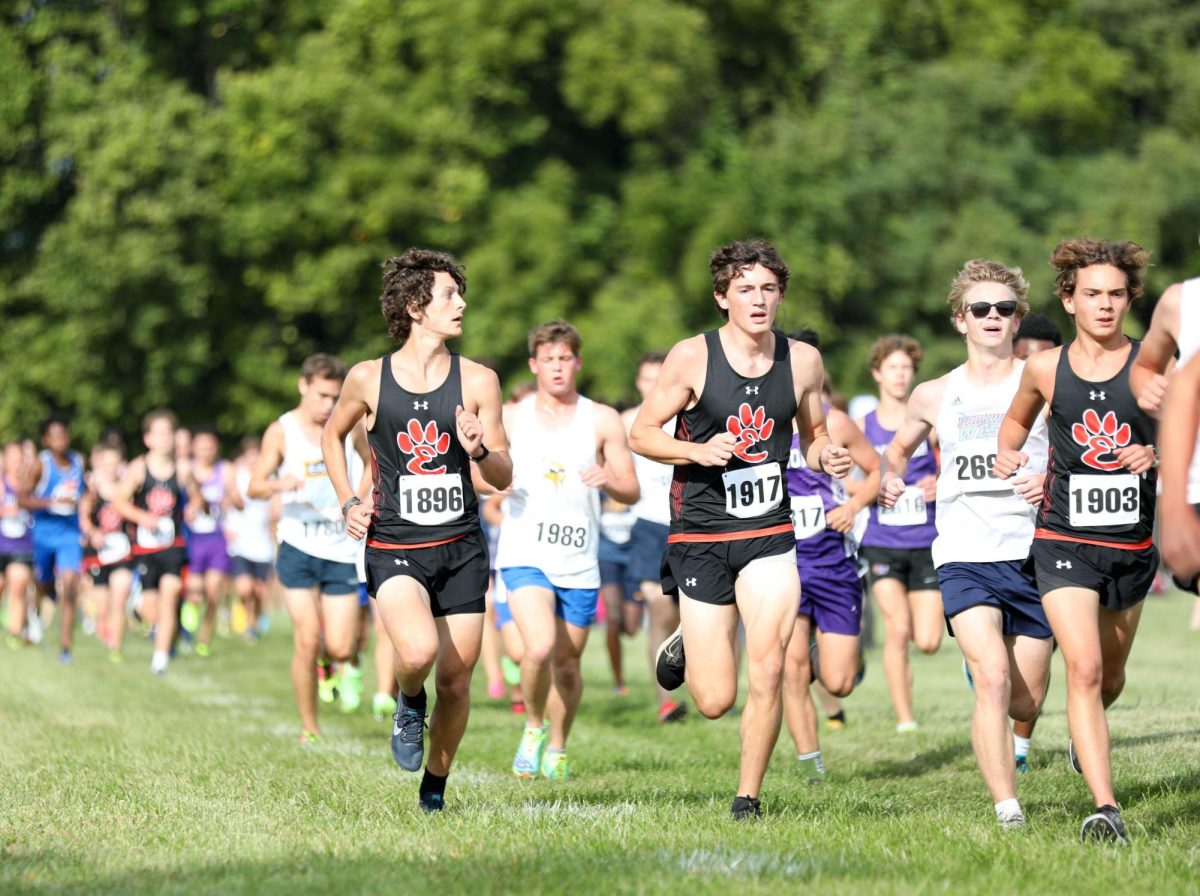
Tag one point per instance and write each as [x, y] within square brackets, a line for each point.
[417, 701]
[1008, 808]
[803, 756]
[431, 784]
[1021, 745]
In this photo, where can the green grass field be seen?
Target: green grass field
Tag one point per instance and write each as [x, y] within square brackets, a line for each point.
[114, 781]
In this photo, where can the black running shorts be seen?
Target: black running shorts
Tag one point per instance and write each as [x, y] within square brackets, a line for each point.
[454, 574]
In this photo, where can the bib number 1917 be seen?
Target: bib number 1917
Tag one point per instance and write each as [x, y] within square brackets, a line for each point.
[753, 491]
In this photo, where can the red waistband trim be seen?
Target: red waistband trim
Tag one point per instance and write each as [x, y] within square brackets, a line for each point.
[688, 538]
[1047, 535]
[385, 546]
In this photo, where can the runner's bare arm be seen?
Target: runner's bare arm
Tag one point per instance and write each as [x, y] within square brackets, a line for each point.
[922, 409]
[33, 475]
[679, 381]
[480, 425]
[1035, 390]
[135, 476]
[614, 473]
[187, 481]
[233, 497]
[1179, 532]
[359, 391]
[843, 431]
[820, 453]
[270, 457]
[87, 504]
[1147, 376]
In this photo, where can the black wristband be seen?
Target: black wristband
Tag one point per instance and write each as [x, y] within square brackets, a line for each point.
[350, 502]
[483, 456]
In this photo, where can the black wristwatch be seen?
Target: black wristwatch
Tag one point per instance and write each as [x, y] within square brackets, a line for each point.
[350, 502]
[483, 456]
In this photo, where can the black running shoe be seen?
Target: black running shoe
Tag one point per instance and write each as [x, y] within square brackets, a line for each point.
[1104, 825]
[432, 802]
[669, 663]
[408, 738]
[814, 660]
[745, 807]
[1073, 759]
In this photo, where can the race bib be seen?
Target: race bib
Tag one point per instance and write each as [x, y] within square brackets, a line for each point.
[431, 500]
[617, 527]
[909, 509]
[753, 491]
[973, 460]
[808, 516]
[322, 529]
[571, 535]
[204, 524]
[1104, 500]
[115, 548]
[162, 536]
[13, 526]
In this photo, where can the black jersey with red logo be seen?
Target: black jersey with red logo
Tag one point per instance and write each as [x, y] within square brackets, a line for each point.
[422, 475]
[164, 499]
[748, 496]
[1088, 495]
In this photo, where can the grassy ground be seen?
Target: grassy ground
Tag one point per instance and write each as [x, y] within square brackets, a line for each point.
[114, 781]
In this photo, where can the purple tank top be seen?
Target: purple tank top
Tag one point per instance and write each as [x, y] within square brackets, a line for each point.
[812, 496]
[16, 529]
[901, 527]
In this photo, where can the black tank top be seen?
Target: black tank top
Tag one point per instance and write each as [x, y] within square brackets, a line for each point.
[163, 498]
[749, 494]
[1088, 495]
[422, 475]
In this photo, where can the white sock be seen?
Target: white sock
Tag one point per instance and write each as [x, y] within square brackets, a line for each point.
[1021, 745]
[1008, 808]
[803, 756]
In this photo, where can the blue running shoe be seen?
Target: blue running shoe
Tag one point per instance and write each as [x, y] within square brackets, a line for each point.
[1022, 765]
[528, 761]
[1072, 759]
[432, 802]
[408, 738]
[967, 674]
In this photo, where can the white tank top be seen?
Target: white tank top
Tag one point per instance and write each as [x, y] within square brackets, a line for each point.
[552, 519]
[979, 518]
[311, 520]
[249, 529]
[1189, 344]
[655, 481]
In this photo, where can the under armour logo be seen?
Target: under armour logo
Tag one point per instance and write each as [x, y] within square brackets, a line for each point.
[957, 401]
[752, 390]
[420, 405]
[400, 562]
[690, 583]
[1096, 395]
[1062, 564]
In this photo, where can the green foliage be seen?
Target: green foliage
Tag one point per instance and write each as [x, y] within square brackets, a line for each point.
[195, 196]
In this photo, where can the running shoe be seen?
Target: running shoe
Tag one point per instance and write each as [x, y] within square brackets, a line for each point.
[14, 642]
[1013, 821]
[814, 659]
[511, 672]
[326, 683]
[528, 760]
[309, 737]
[837, 721]
[554, 765]
[620, 690]
[203, 650]
[862, 670]
[906, 727]
[64, 656]
[671, 711]
[1023, 765]
[88, 625]
[967, 674]
[432, 802]
[189, 617]
[1073, 759]
[517, 707]
[1104, 825]
[158, 663]
[350, 687]
[34, 630]
[408, 738]
[669, 662]
[745, 807]
[495, 690]
[114, 656]
[813, 769]
[382, 706]
[239, 619]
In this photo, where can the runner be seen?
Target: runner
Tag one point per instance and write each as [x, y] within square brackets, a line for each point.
[897, 540]
[984, 524]
[209, 563]
[251, 544]
[618, 595]
[732, 551]
[108, 552]
[151, 496]
[1093, 552]
[52, 490]
[1180, 520]
[831, 594]
[16, 544]
[430, 414]
[648, 537]
[316, 557]
[1037, 333]
[566, 449]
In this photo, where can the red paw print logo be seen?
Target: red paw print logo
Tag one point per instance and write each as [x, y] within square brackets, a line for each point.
[1101, 438]
[160, 501]
[110, 520]
[423, 443]
[750, 425]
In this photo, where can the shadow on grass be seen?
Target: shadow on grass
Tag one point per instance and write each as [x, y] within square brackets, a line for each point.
[923, 762]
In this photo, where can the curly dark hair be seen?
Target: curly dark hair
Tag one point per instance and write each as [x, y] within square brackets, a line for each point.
[1071, 256]
[729, 261]
[408, 287]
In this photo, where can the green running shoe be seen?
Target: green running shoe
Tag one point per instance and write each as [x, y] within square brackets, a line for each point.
[203, 650]
[812, 768]
[554, 765]
[382, 706]
[511, 672]
[528, 760]
[189, 617]
[326, 682]
[350, 687]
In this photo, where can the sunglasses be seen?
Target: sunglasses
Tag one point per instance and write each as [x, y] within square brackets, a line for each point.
[980, 310]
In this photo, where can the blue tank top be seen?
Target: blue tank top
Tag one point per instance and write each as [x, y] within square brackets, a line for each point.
[64, 488]
[909, 524]
[812, 496]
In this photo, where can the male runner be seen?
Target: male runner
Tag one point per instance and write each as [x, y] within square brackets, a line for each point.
[251, 544]
[1180, 521]
[565, 449]
[209, 564]
[1037, 333]
[151, 496]
[1092, 548]
[16, 543]
[315, 563]
[53, 488]
[897, 540]
[732, 549]
[108, 552]
[427, 412]
[984, 524]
